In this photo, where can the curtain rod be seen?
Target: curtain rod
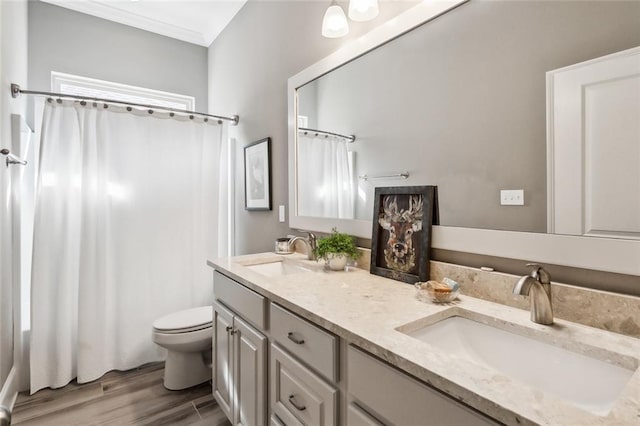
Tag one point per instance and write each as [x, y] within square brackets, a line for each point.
[17, 91]
[349, 138]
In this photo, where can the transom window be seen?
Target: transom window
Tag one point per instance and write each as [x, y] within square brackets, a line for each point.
[69, 84]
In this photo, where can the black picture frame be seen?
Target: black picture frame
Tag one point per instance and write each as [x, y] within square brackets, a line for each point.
[401, 240]
[257, 175]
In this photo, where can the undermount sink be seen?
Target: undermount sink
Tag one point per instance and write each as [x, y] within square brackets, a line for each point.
[279, 268]
[585, 382]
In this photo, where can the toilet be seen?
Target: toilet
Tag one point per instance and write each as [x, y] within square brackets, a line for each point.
[187, 336]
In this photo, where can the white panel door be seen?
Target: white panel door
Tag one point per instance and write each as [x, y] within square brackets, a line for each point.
[593, 125]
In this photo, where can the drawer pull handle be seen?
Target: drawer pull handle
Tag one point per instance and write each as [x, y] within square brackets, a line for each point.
[294, 339]
[292, 400]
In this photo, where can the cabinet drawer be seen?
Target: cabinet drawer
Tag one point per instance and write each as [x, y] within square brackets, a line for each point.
[400, 399]
[299, 396]
[314, 346]
[249, 304]
[356, 416]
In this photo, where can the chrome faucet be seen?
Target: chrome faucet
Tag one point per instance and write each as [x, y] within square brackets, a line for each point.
[537, 285]
[310, 242]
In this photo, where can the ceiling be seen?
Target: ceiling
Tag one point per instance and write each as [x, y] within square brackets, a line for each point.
[194, 21]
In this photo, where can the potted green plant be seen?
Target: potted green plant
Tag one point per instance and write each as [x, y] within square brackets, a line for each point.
[335, 249]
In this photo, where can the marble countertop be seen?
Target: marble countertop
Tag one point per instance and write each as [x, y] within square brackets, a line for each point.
[367, 310]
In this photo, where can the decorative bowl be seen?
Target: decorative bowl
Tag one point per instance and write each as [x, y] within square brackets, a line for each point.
[435, 292]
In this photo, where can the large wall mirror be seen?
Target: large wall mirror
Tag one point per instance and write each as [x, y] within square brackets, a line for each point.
[459, 102]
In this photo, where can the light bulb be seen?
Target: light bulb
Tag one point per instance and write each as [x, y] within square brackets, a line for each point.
[363, 10]
[334, 23]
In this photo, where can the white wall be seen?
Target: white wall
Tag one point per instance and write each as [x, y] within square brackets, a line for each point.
[13, 69]
[249, 65]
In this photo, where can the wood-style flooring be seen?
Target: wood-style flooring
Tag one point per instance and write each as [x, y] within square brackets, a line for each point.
[134, 397]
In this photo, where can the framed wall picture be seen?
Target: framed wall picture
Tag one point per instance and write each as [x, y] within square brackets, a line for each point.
[401, 241]
[257, 175]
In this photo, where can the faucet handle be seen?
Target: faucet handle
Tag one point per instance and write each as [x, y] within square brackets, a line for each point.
[313, 241]
[310, 236]
[539, 273]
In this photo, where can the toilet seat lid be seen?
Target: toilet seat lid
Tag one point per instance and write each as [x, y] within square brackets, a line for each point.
[186, 319]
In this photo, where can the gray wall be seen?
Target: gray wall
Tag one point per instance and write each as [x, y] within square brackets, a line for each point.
[249, 65]
[468, 114]
[71, 42]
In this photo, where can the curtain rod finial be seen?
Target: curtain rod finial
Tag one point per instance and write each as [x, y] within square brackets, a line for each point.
[15, 90]
[236, 119]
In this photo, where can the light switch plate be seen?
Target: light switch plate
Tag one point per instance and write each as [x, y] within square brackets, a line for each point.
[512, 197]
[281, 213]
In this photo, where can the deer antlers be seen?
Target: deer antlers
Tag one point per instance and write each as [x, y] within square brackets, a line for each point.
[412, 214]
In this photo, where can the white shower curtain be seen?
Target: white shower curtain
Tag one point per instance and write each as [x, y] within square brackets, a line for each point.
[129, 208]
[326, 185]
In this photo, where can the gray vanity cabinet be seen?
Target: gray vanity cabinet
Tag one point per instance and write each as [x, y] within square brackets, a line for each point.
[239, 353]
[357, 416]
[404, 401]
[312, 377]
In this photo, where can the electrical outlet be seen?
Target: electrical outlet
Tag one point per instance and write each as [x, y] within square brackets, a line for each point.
[512, 197]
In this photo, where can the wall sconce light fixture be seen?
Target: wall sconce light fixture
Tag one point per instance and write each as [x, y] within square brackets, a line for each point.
[363, 10]
[334, 23]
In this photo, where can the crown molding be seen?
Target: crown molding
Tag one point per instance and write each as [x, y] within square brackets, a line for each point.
[111, 12]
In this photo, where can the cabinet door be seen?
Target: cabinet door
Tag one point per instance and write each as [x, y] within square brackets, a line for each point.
[222, 357]
[356, 416]
[250, 375]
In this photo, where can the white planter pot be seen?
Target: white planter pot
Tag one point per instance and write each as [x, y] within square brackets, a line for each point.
[337, 262]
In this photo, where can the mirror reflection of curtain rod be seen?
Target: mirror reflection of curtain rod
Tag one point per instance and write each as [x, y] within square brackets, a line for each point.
[306, 131]
[17, 91]
[403, 175]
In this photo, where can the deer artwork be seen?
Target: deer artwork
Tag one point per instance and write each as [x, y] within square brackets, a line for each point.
[402, 224]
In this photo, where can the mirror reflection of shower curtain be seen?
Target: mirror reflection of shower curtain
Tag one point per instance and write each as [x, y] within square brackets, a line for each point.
[326, 186]
[128, 209]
